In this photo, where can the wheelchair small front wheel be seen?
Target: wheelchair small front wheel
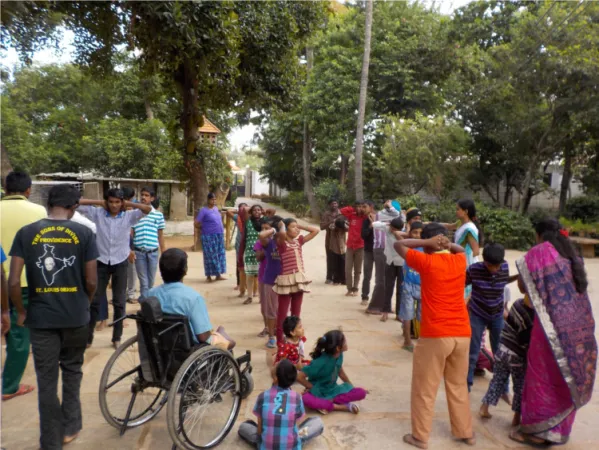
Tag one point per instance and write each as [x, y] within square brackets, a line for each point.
[204, 399]
[121, 376]
[247, 385]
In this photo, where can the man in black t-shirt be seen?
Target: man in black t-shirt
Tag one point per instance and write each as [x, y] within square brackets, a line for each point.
[59, 257]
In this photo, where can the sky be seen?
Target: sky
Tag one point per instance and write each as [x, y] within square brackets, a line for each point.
[239, 136]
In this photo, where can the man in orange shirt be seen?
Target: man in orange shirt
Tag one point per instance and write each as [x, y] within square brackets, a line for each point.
[443, 348]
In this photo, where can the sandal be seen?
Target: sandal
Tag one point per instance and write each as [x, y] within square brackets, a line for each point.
[372, 312]
[263, 333]
[248, 301]
[24, 389]
[324, 412]
[409, 439]
[409, 348]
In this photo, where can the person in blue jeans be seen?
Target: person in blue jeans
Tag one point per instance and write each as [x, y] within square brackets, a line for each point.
[147, 240]
[485, 307]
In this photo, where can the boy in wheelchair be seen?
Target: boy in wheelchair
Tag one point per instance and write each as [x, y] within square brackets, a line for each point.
[176, 298]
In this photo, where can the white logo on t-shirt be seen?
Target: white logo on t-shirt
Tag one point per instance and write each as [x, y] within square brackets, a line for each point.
[51, 265]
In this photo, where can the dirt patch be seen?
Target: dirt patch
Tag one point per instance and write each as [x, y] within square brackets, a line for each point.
[182, 242]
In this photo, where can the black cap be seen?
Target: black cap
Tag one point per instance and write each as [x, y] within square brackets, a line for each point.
[413, 213]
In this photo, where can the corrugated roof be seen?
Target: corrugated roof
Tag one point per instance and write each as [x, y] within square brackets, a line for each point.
[208, 127]
[89, 176]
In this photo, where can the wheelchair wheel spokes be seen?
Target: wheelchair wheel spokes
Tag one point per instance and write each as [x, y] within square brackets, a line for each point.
[121, 377]
[208, 388]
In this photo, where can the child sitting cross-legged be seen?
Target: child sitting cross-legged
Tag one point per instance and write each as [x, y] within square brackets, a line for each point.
[279, 412]
[292, 348]
[320, 377]
[510, 359]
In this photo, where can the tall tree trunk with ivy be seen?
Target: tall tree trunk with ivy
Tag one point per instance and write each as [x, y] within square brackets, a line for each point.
[566, 177]
[362, 101]
[307, 152]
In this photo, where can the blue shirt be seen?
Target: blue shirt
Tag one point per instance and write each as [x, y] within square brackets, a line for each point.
[279, 409]
[112, 233]
[146, 231]
[176, 298]
[487, 289]
[410, 275]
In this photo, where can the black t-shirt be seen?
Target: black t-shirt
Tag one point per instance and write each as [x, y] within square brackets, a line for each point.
[368, 236]
[55, 253]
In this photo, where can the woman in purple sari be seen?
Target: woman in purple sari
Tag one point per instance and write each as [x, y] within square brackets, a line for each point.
[562, 357]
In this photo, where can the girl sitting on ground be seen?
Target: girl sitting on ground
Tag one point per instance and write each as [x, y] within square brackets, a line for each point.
[292, 348]
[320, 377]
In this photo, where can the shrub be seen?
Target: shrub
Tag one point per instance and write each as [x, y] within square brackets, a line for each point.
[585, 208]
[506, 227]
[441, 212]
[330, 189]
[411, 201]
[296, 203]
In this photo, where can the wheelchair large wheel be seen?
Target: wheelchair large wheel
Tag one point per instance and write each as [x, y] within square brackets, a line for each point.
[121, 379]
[204, 400]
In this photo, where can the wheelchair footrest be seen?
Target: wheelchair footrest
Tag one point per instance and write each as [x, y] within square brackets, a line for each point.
[245, 359]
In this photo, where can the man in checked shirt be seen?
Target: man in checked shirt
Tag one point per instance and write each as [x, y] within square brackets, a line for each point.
[114, 219]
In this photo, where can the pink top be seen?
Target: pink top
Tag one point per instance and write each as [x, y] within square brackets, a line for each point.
[292, 260]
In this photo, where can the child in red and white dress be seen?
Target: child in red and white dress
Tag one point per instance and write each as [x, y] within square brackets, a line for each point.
[292, 347]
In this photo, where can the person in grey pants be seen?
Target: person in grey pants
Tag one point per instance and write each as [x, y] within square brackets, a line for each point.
[278, 411]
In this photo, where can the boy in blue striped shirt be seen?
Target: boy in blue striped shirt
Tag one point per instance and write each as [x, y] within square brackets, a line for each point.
[147, 240]
[485, 307]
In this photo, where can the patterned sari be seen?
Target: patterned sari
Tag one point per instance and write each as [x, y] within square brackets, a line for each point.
[562, 357]
[250, 263]
[461, 238]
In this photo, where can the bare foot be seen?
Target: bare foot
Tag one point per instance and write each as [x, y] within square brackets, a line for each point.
[484, 411]
[384, 317]
[220, 278]
[409, 439]
[507, 398]
[517, 436]
[248, 301]
[516, 420]
[209, 279]
[373, 312]
[470, 441]
[348, 294]
[68, 439]
[236, 288]
[241, 295]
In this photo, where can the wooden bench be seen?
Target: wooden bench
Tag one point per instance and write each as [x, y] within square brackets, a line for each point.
[587, 245]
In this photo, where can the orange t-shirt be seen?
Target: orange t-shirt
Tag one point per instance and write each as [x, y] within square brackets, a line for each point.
[442, 281]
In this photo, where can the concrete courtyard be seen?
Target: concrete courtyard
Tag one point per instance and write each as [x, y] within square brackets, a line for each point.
[374, 361]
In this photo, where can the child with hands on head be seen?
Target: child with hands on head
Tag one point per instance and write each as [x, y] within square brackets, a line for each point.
[320, 377]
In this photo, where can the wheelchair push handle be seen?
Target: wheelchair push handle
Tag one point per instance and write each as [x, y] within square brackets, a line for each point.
[128, 316]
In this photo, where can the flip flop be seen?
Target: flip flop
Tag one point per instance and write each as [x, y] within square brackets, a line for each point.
[409, 348]
[372, 313]
[409, 439]
[24, 389]
[324, 412]
[248, 301]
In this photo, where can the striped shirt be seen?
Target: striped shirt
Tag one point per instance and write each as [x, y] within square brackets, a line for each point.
[146, 231]
[518, 326]
[290, 252]
[487, 289]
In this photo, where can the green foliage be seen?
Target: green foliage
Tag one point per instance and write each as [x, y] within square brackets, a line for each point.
[501, 225]
[507, 227]
[410, 201]
[297, 203]
[585, 208]
[579, 227]
[330, 189]
[427, 153]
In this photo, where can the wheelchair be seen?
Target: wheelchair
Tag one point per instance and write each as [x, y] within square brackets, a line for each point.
[201, 385]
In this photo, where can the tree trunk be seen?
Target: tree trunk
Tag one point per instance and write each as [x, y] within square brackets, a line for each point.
[344, 170]
[147, 103]
[191, 118]
[307, 152]
[362, 100]
[526, 191]
[566, 178]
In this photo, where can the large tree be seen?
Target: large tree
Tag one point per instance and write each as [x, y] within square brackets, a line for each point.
[221, 55]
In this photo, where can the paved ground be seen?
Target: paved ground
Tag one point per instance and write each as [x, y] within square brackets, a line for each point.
[374, 361]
